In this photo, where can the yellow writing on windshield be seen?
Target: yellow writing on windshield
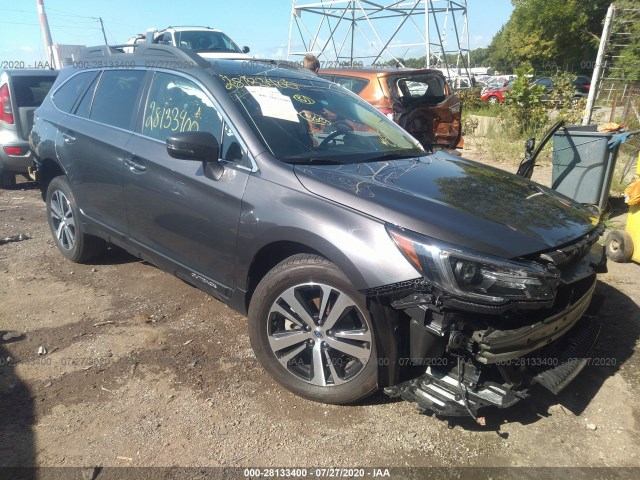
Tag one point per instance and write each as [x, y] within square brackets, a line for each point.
[314, 118]
[233, 83]
[304, 99]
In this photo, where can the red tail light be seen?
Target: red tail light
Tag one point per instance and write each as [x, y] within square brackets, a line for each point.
[16, 150]
[387, 111]
[6, 114]
[587, 87]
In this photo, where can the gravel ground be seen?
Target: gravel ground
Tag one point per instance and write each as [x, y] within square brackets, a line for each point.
[142, 369]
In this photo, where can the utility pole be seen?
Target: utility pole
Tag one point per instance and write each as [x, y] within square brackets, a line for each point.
[103, 34]
[597, 72]
[46, 34]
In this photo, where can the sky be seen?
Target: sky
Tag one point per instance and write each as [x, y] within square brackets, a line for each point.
[262, 25]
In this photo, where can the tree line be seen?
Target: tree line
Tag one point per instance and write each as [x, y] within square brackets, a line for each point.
[551, 35]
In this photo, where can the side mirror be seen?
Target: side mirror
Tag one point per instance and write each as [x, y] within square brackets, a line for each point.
[200, 146]
[245, 49]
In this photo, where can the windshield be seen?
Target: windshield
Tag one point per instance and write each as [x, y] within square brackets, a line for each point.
[206, 41]
[305, 121]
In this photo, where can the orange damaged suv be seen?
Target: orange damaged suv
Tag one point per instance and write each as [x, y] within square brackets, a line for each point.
[420, 101]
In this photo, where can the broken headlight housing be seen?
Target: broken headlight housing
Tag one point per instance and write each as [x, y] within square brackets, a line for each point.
[475, 276]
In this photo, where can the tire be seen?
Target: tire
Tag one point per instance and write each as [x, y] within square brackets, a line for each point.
[285, 308]
[7, 180]
[493, 100]
[67, 231]
[619, 246]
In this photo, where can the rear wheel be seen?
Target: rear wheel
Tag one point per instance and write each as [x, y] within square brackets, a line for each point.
[619, 246]
[312, 332]
[67, 231]
[493, 100]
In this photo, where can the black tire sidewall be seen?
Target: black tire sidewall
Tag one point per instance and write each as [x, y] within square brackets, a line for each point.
[625, 244]
[268, 290]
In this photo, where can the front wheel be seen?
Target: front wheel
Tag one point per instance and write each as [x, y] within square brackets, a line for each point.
[312, 332]
[65, 226]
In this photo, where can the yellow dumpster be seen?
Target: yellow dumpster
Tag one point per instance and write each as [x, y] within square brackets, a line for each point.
[623, 246]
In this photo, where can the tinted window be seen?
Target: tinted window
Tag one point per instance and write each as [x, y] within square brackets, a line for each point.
[85, 103]
[65, 97]
[30, 91]
[116, 98]
[356, 85]
[175, 105]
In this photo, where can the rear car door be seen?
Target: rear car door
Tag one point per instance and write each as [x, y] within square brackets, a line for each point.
[175, 212]
[92, 138]
[424, 106]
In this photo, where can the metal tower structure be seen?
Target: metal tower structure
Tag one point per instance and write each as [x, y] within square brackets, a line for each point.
[364, 32]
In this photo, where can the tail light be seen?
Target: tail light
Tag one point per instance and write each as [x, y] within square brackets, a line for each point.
[16, 150]
[6, 114]
[587, 86]
[386, 111]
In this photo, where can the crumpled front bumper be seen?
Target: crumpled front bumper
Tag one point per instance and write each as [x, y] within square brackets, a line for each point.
[441, 390]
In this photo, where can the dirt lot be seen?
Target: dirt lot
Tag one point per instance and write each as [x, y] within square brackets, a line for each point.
[142, 369]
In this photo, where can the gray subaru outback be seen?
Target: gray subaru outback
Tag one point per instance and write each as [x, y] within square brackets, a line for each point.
[361, 261]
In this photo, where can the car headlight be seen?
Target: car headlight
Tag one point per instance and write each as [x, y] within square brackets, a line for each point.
[475, 276]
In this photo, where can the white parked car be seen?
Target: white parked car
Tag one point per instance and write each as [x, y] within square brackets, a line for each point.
[206, 42]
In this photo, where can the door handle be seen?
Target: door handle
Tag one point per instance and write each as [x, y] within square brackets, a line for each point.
[135, 164]
[68, 138]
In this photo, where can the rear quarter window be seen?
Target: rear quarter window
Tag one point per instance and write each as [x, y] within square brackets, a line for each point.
[67, 95]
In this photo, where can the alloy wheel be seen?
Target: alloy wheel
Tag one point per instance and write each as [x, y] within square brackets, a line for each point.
[64, 223]
[319, 335]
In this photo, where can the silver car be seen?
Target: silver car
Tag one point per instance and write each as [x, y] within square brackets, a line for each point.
[21, 92]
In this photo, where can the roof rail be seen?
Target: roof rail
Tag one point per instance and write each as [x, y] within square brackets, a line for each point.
[146, 49]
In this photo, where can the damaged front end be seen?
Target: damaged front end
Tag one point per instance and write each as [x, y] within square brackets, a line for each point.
[482, 330]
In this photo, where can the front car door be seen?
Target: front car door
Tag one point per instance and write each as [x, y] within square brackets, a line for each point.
[176, 213]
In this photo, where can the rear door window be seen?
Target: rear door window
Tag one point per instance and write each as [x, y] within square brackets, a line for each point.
[117, 96]
[67, 95]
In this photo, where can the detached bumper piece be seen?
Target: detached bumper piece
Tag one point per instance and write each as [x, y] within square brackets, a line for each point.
[442, 394]
[572, 357]
[552, 367]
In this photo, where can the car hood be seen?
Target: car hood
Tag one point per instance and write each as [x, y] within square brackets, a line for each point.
[454, 200]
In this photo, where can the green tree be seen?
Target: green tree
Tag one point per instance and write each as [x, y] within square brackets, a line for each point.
[550, 34]
[627, 22]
